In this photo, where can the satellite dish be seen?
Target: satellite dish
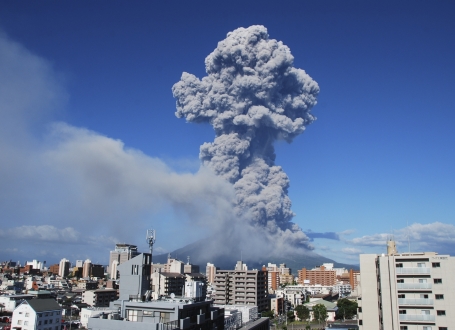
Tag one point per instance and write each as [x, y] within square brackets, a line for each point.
[172, 295]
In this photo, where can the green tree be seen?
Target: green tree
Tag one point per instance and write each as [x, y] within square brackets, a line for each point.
[320, 313]
[347, 309]
[269, 314]
[303, 313]
[291, 316]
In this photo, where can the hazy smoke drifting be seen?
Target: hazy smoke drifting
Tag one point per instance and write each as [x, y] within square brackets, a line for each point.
[253, 96]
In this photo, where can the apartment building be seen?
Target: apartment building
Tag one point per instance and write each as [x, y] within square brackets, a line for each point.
[99, 297]
[319, 275]
[407, 291]
[241, 287]
[121, 253]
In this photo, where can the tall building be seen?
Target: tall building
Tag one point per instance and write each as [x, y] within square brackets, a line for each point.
[406, 291]
[320, 276]
[241, 287]
[87, 268]
[79, 263]
[123, 252]
[64, 267]
[354, 278]
[210, 271]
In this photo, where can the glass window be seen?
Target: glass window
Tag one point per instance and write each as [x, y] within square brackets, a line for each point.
[437, 280]
[27, 314]
[422, 280]
[402, 311]
[19, 321]
[423, 296]
[441, 313]
[26, 322]
[420, 264]
[425, 311]
[403, 327]
[439, 296]
[436, 264]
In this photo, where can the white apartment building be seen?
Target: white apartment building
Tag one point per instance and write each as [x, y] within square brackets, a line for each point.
[37, 314]
[407, 291]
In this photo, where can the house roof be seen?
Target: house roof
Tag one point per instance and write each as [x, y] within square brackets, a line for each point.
[43, 305]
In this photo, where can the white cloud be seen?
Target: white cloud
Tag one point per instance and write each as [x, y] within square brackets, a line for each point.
[436, 236]
[41, 233]
[349, 250]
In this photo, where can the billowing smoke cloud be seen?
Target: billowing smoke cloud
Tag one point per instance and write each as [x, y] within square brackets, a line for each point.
[252, 96]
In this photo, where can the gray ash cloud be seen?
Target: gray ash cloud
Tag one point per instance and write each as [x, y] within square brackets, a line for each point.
[252, 96]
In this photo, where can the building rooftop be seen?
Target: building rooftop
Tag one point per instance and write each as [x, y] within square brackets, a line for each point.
[43, 305]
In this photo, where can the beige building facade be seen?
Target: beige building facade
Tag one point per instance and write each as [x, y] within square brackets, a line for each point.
[407, 291]
[241, 287]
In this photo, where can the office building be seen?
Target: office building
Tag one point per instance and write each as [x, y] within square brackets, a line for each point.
[406, 291]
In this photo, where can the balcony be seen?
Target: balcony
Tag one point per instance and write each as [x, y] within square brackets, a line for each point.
[413, 286]
[418, 302]
[412, 270]
[417, 317]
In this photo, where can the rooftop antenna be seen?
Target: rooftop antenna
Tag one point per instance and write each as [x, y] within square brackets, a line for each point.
[150, 239]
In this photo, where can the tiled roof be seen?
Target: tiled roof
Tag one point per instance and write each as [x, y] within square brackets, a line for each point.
[43, 305]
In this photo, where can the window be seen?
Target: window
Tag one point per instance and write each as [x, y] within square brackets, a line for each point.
[436, 265]
[423, 296]
[27, 314]
[440, 313]
[45, 321]
[19, 321]
[39, 322]
[50, 321]
[442, 328]
[400, 280]
[403, 327]
[360, 309]
[400, 265]
[426, 328]
[437, 280]
[422, 280]
[401, 296]
[439, 296]
[360, 322]
[420, 264]
[26, 322]
[425, 312]
[402, 311]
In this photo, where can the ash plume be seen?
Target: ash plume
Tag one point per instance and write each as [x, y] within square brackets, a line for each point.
[252, 96]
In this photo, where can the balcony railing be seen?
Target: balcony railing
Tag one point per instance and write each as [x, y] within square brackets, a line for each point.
[416, 317]
[419, 302]
[414, 286]
[413, 270]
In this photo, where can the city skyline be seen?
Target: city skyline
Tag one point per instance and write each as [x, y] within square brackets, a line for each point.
[91, 145]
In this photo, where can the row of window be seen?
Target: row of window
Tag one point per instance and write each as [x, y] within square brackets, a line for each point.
[425, 312]
[425, 296]
[405, 327]
[421, 265]
[423, 280]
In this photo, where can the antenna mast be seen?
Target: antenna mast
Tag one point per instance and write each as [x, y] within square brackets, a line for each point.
[150, 239]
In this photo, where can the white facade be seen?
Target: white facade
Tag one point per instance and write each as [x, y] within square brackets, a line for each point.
[408, 291]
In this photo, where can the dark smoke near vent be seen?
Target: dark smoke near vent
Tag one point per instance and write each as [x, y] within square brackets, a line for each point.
[252, 96]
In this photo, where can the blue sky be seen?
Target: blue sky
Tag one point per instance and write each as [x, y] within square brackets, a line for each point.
[379, 158]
